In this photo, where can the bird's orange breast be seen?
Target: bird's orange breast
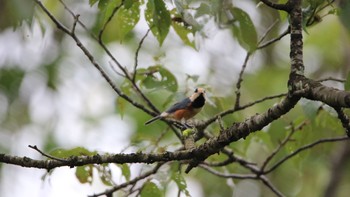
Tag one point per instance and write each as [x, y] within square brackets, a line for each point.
[184, 114]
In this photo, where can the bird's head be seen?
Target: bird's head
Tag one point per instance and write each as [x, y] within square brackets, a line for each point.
[198, 92]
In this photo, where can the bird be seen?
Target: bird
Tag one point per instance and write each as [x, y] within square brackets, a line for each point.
[185, 109]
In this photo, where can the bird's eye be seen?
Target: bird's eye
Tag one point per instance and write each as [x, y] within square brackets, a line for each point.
[196, 90]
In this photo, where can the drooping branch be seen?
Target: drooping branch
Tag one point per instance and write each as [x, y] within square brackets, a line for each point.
[128, 183]
[308, 146]
[285, 7]
[344, 120]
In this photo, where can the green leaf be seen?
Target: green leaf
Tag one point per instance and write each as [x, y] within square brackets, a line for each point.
[158, 19]
[126, 171]
[180, 182]
[244, 30]
[127, 17]
[120, 106]
[203, 9]
[107, 8]
[84, 173]
[105, 174]
[157, 77]
[150, 189]
[129, 3]
[168, 80]
[183, 33]
[78, 151]
[102, 4]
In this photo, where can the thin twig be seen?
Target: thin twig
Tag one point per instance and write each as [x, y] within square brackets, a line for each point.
[126, 74]
[240, 79]
[267, 31]
[321, 141]
[137, 54]
[72, 13]
[224, 175]
[232, 110]
[76, 18]
[115, 70]
[243, 176]
[283, 143]
[46, 155]
[268, 43]
[270, 186]
[332, 79]
[131, 182]
[92, 59]
[109, 20]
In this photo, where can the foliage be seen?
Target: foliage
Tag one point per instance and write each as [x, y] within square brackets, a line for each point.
[146, 78]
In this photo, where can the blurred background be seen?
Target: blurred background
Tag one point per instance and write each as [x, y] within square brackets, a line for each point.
[52, 96]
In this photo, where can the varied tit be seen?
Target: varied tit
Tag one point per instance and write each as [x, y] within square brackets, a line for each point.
[185, 109]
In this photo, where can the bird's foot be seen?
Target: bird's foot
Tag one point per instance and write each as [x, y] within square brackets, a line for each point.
[187, 126]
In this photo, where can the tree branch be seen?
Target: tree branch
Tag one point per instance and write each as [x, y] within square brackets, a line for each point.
[316, 91]
[285, 7]
[131, 182]
[240, 79]
[137, 55]
[97, 66]
[344, 120]
[336, 139]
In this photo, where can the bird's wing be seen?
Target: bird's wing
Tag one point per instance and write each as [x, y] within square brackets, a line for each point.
[180, 105]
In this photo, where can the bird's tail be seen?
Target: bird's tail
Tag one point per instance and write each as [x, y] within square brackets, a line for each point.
[152, 120]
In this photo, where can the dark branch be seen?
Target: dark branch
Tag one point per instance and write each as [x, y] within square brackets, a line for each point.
[240, 79]
[269, 185]
[46, 155]
[225, 175]
[285, 7]
[230, 111]
[316, 91]
[137, 54]
[268, 43]
[344, 120]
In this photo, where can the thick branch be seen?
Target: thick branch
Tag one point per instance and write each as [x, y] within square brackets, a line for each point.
[316, 91]
[285, 7]
[212, 146]
[296, 44]
[243, 129]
